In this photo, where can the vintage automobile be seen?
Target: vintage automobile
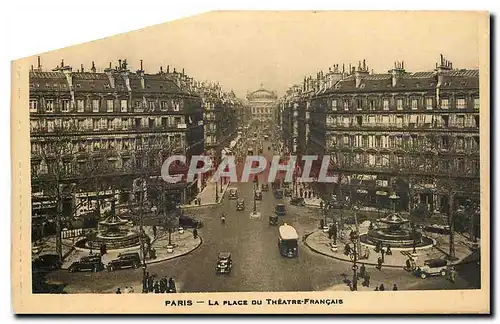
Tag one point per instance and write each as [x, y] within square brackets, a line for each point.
[280, 210]
[278, 193]
[233, 193]
[189, 222]
[273, 219]
[258, 195]
[432, 267]
[264, 187]
[47, 262]
[125, 260]
[297, 201]
[240, 204]
[266, 137]
[88, 263]
[224, 263]
[439, 229]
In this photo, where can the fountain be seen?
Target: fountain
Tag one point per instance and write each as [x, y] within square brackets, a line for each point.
[113, 232]
[396, 231]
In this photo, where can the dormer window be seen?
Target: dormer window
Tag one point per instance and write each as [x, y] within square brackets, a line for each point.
[33, 105]
[461, 103]
[445, 103]
[49, 105]
[65, 105]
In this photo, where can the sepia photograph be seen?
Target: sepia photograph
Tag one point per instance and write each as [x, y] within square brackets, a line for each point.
[257, 162]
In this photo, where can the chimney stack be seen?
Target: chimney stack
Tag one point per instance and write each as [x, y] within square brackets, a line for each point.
[39, 63]
[82, 67]
[93, 67]
[141, 66]
[168, 68]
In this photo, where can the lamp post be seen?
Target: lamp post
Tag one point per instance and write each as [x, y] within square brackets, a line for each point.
[216, 191]
[354, 238]
[394, 199]
[254, 201]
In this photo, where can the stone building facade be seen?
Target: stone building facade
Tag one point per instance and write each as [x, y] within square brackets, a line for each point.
[262, 104]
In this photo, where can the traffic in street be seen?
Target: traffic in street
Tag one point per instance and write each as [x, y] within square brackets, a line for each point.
[253, 244]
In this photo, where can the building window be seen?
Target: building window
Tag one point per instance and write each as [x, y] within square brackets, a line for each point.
[428, 103]
[177, 106]
[414, 104]
[445, 103]
[138, 104]
[95, 105]
[346, 105]
[151, 105]
[461, 103]
[461, 121]
[476, 103]
[80, 105]
[50, 125]
[33, 105]
[371, 105]
[109, 105]
[399, 121]
[163, 105]
[334, 104]
[399, 104]
[359, 104]
[123, 105]
[345, 140]
[65, 106]
[49, 105]
[460, 143]
[386, 104]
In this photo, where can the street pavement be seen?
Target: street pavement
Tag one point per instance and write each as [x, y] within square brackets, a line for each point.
[258, 265]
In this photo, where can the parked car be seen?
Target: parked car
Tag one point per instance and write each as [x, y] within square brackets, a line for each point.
[189, 222]
[240, 205]
[432, 267]
[224, 263]
[258, 195]
[125, 260]
[297, 201]
[88, 263]
[264, 187]
[233, 193]
[278, 194]
[47, 262]
[273, 219]
[280, 210]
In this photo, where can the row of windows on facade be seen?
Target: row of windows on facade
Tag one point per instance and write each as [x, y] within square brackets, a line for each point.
[401, 104]
[417, 120]
[51, 125]
[119, 144]
[261, 110]
[385, 160]
[444, 142]
[80, 167]
[67, 105]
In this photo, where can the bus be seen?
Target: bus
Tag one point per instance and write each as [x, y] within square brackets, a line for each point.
[288, 241]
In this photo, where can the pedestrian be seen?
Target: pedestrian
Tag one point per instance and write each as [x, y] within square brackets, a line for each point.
[151, 284]
[172, 285]
[388, 251]
[347, 249]
[376, 288]
[452, 274]
[310, 194]
[118, 291]
[382, 251]
[131, 290]
[157, 287]
[126, 291]
[321, 204]
[379, 263]
[367, 252]
[195, 233]
[154, 231]
[395, 287]
[362, 270]
[381, 288]
[366, 281]
[199, 201]
[167, 285]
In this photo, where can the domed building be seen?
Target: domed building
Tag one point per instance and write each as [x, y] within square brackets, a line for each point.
[262, 103]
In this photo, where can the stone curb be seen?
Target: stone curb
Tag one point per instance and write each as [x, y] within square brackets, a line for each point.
[165, 259]
[366, 263]
[177, 256]
[221, 198]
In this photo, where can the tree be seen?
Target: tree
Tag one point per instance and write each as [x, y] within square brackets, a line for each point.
[61, 174]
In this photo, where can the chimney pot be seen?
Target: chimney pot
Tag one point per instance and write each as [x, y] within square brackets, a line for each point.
[110, 65]
[141, 65]
[39, 62]
[120, 64]
[31, 67]
[82, 67]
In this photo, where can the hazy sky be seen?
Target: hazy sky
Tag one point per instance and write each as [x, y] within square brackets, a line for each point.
[241, 50]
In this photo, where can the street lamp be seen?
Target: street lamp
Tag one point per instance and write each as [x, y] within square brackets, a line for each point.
[394, 199]
[216, 191]
[354, 236]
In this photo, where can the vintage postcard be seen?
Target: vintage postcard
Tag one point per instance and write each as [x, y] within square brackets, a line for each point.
[257, 162]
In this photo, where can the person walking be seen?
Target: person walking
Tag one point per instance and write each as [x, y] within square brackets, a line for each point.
[118, 291]
[154, 231]
[376, 288]
[195, 233]
[366, 281]
[379, 263]
[395, 287]
[452, 274]
[171, 283]
[381, 288]
[362, 270]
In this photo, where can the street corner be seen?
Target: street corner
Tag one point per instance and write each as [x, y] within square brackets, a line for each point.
[175, 246]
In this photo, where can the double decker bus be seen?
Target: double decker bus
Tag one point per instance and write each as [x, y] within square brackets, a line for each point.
[288, 241]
